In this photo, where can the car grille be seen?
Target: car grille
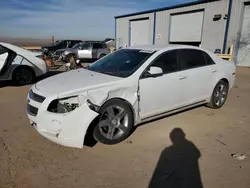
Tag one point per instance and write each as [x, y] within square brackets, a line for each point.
[32, 110]
[36, 97]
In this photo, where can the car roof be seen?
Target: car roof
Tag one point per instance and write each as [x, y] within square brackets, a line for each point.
[162, 47]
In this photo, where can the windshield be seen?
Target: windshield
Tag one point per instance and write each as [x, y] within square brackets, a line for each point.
[77, 45]
[121, 63]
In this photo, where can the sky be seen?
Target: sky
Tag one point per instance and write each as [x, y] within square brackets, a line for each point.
[69, 18]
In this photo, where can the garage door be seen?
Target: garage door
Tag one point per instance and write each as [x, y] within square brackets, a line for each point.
[139, 32]
[186, 27]
[243, 58]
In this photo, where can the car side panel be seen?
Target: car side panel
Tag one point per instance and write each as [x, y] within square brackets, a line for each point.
[225, 69]
[160, 94]
[198, 84]
[85, 54]
[94, 53]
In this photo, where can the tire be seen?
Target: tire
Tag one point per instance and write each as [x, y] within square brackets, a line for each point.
[101, 56]
[115, 122]
[23, 76]
[219, 95]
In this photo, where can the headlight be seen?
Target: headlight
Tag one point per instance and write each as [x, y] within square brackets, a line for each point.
[65, 53]
[66, 105]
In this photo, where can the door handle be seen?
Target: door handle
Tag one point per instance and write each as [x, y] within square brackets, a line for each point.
[214, 70]
[182, 77]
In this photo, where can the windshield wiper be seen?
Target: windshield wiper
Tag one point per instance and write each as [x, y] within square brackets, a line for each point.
[109, 73]
[102, 71]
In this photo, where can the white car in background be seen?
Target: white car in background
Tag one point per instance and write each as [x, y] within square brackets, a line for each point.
[125, 88]
[20, 65]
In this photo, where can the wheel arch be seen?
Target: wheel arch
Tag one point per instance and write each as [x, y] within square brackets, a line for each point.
[126, 102]
[223, 79]
[89, 139]
[22, 67]
[101, 54]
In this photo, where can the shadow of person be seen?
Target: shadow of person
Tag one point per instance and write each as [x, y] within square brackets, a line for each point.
[178, 164]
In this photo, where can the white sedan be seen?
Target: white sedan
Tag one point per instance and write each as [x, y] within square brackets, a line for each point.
[20, 65]
[125, 88]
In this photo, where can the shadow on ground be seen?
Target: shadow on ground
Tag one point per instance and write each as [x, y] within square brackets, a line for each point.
[157, 119]
[178, 164]
[89, 139]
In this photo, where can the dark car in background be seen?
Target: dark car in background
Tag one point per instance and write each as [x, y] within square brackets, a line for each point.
[60, 44]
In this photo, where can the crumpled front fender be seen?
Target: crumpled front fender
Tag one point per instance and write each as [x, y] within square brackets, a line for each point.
[129, 94]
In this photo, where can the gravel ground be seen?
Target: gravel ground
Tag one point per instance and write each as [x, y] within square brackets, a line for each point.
[203, 157]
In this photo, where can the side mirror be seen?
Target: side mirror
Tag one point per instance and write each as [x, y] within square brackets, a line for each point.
[154, 72]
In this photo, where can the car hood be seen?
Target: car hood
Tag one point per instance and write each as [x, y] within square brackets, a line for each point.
[74, 82]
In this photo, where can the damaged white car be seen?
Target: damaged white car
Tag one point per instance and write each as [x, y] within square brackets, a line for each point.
[20, 65]
[125, 88]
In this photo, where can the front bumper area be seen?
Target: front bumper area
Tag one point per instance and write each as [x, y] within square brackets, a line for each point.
[67, 129]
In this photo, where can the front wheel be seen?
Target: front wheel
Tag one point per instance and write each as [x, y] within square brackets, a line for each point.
[115, 123]
[219, 95]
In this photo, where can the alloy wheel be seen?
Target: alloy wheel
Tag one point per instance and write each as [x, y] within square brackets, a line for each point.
[220, 94]
[113, 122]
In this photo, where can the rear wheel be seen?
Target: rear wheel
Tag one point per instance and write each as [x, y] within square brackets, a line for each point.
[102, 55]
[115, 123]
[219, 95]
[23, 76]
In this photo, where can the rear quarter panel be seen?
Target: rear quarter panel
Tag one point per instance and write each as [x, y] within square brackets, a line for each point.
[226, 69]
[38, 65]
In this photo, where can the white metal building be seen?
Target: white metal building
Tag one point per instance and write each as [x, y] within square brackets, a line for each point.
[211, 24]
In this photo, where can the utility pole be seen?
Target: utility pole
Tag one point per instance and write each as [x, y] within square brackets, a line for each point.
[53, 40]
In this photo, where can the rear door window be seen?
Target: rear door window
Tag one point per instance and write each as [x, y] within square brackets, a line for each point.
[208, 59]
[85, 46]
[104, 45]
[192, 58]
[97, 46]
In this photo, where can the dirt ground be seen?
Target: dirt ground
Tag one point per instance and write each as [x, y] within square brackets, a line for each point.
[28, 160]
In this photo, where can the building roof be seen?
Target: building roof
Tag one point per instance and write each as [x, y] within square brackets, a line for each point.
[167, 8]
[161, 47]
